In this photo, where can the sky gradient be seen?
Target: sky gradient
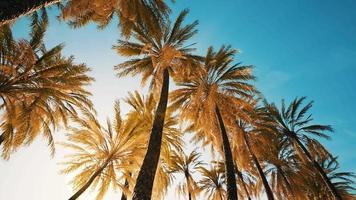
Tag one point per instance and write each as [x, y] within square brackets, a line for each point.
[298, 48]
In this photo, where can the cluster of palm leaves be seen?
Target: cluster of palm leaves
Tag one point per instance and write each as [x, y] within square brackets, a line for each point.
[40, 89]
[259, 149]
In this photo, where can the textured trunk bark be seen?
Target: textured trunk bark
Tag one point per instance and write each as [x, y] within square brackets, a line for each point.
[239, 174]
[12, 9]
[229, 163]
[90, 181]
[1, 139]
[269, 192]
[144, 182]
[319, 169]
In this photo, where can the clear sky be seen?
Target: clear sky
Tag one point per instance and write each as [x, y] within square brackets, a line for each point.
[298, 48]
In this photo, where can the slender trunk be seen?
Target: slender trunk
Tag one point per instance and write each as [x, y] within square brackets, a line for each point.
[288, 185]
[90, 181]
[319, 169]
[220, 195]
[126, 185]
[229, 163]
[10, 10]
[239, 174]
[123, 196]
[268, 190]
[188, 188]
[1, 139]
[144, 182]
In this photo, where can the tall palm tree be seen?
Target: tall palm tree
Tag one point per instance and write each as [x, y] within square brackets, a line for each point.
[212, 183]
[312, 182]
[244, 182]
[156, 55]
[186, 165]
[98, 152]
[283, 168]
[214, 91]
[293, 122]
[143, 113]
[40, 89]
[245, 134]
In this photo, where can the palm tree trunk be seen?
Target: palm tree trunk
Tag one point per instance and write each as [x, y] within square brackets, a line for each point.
[318, 168]
[90, 181]
[144, 182]
[10, 10]
[239, 174]
[123, 196]
[1, 139]
[188, 188]
[229, 163]
[220, 195]
[259, 169]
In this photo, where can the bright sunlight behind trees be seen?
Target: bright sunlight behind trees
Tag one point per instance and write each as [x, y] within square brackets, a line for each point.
[202, 128]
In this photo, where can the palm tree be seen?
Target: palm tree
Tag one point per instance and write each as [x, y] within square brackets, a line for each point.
[283, 167]
[243, 180]
[216, 90]
[313, 184]
[212, 183]
[245, 134]
[40, 89]
[155, 56]
[292, 122]
[98, 152]
[186, 165]
[143, 113]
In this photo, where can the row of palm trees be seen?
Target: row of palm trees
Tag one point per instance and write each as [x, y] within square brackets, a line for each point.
[261, 148]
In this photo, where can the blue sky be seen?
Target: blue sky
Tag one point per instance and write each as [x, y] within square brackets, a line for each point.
[298, 48]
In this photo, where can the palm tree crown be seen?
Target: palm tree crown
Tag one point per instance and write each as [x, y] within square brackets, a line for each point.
[39, 88]
[186, 165]
[151, 54]
[101, 155]
[212, 183]
[217, 82]
[294, 123]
